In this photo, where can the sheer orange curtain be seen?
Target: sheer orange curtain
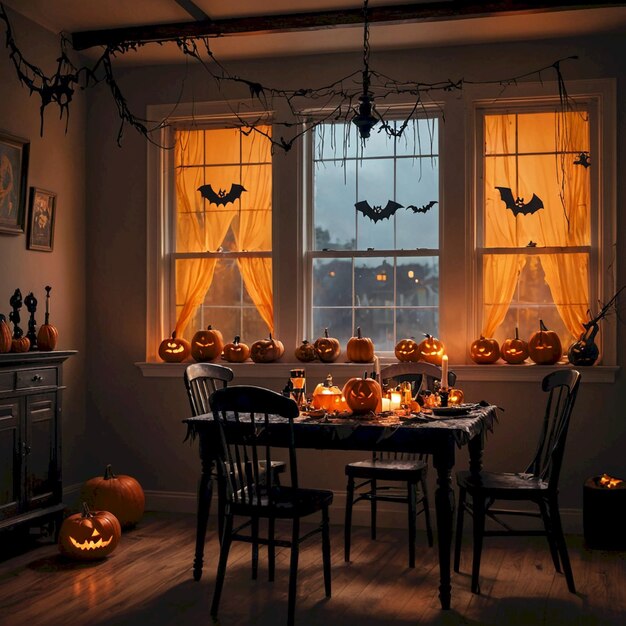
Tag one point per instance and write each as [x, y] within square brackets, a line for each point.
[253, 227]
[200, 227]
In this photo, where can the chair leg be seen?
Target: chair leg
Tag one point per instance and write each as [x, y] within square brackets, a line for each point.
[347, 529]
[254, 531]
[271, 549]
[458, 538]
[221, 567]
[293, 572]
[373, 506]
[555, 516]
[411, 497]
[478, 516]
[547, 523]
[429, 528]
[221, 499]
[326, 550]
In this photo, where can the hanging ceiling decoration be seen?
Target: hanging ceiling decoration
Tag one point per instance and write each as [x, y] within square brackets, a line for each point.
[350, 99]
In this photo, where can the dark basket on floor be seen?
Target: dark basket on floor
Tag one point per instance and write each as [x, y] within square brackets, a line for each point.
[604, 515]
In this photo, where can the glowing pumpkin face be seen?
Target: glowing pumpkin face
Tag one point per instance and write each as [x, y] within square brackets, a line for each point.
[207, 345]
[485, 350]
[544, 346]
[173, 349]
[431, 349]
[327, 348]
[305, 352]
[236, 352]
[407, 350]
[266, 350]
[89, 535]
[514, 351]
[362, 395]
[328, 397]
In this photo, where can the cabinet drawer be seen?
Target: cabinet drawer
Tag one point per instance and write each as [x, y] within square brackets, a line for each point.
[7, 381]
[43, 377]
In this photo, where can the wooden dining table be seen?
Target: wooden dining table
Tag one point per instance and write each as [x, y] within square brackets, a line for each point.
[440, 437]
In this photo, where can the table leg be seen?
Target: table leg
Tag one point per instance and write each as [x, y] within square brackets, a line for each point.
[475, 448]
[205, 492]
[444, 506]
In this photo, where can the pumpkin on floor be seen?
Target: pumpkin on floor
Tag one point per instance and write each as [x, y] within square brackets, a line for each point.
[89, 535]
[327, 348]
[120, 494]
[236, 351]
[174, 349]
[207, 345]
[544, 346]
[360, 349]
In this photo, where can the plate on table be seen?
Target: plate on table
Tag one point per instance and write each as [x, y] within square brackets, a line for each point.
[451, 411]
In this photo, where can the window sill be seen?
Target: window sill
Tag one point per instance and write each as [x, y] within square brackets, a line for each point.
[279, 370]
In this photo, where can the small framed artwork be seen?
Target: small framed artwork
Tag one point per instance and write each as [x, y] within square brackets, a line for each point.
[13, 177]
[41, 214]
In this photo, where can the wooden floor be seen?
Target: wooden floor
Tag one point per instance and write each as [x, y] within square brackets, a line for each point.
[148, 581]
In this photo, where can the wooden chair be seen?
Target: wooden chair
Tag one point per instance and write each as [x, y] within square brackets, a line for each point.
[538, 484]
[394, 467]
[241, 444]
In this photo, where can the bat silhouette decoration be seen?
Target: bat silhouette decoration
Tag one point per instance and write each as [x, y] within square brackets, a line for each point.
[583, 159]
[517, 204]
[221, 197]
[377, 213]
[424, 208]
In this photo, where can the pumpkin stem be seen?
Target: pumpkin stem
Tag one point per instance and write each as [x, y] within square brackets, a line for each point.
[358, 332]
[86, 512]
[209, 327]
[270, 336]
[108, 472]
[173, 334]
[237, 339]
[516, 333]
[542, 326]
[329, 381]
[326, 333]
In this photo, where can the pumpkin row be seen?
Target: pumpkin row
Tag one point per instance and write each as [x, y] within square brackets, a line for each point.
[208, 345]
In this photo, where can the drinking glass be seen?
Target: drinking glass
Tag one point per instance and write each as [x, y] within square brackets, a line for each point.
[298, 385]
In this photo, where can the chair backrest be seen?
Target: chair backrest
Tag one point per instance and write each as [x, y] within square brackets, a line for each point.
[201, 380]
[562, 388]
[421, 375]
[243, 414]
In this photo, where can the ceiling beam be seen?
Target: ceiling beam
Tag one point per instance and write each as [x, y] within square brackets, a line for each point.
[261, 24]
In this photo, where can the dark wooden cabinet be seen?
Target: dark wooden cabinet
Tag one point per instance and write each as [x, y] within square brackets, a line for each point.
[30, 438]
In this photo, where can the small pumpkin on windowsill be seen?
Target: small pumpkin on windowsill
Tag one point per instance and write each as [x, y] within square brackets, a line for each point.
[485, 350]
[267, 350]
[174, 349]
[305, 352]
[327, 348]
[207, 345]
[407, 350]
[544, 346]
[514, 350]
[236, 351]
[360, 349]
[431, 349]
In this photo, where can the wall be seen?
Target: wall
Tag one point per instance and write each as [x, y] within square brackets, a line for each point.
[57, 163]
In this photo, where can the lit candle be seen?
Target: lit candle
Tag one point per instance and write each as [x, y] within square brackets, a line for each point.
[386, 404]
[444, 371]
[395, 400]
[377, 368]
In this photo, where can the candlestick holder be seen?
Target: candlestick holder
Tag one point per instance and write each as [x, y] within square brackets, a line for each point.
[443, 396]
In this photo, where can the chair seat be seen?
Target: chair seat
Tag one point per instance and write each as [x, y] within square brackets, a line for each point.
[287, 503]
[502, 485]
[387, 469]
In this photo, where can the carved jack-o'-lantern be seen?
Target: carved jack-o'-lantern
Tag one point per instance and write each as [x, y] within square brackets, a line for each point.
[207, 345]
[89, 535]
[407, 350]
[514, 351]
[362, 395]
[431, 349]
[544, 346]
[120, 494]
[360, 349]
[5, 335]
[328, 397]
[305, 352]
[236, 351]
[327, 348]
[266, 350]
[174, 349]
[455, 396]
[485, 350]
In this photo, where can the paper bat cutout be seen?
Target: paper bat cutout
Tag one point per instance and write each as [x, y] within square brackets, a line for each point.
[583, 159]
[424, 208]
[377, 213]
[517, 204]
[221, 197]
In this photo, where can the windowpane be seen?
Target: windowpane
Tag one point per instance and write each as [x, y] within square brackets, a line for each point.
[332, 282]
[337, 320]
[375, 180]
[417, 282]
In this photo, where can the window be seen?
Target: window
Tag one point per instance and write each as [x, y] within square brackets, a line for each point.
[535, 229]
[223, 232]
[379, 274]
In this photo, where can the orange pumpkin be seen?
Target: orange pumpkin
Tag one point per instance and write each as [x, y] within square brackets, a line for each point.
[363, 395]
[407, 350]
[207, 345]
[266, 350]
[20, 344]
[89, 535]
[360, 349]
[174, 349]
[236, 351]
[47, 337]
[305, 352]
[5, 335]
[121, 495]
[431, 349]
[544, 346]
[485, 350]
[327, 348]
[514, 351]
[328, 397]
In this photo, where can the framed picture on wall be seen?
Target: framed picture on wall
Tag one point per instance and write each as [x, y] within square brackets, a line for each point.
[13, 178]
[41, 214]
